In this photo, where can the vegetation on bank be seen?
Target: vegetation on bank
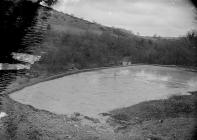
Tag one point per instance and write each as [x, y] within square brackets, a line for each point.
[64, 50]
[173, 118]
[175, 106]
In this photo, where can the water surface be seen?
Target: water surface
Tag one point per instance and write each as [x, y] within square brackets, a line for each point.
[95, 92]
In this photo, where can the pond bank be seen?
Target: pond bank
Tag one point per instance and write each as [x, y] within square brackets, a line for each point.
[172, 118]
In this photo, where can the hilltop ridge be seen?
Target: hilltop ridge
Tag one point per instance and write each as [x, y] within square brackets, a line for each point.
[64, 22]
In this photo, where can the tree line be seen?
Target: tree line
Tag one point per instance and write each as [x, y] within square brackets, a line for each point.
[88, 50]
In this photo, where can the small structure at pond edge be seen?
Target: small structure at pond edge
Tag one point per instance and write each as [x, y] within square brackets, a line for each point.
[126, 61]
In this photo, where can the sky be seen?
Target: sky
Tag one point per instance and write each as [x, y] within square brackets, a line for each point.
[169, 18]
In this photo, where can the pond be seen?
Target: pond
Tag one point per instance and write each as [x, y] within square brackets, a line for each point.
[91, 93]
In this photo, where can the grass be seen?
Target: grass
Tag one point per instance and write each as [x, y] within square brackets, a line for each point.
[173, 118]
[175, 106]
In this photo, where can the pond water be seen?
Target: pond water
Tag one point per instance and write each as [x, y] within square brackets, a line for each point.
[91, 93]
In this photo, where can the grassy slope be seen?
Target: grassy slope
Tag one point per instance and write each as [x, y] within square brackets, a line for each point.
[170, 118]
[71, 41]
[175, 106]
[68, 23]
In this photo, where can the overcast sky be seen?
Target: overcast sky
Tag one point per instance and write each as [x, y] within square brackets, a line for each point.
[148, 17]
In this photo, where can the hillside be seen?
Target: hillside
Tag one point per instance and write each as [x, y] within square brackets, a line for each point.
[65, 41]
[71, 42]
[61, 22]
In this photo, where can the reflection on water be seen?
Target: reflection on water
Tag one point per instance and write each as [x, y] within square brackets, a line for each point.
[152, 76]
[192, 84]
[161, 79]
[91, 93]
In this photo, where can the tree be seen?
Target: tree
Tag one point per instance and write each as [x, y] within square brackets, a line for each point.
[192, 37]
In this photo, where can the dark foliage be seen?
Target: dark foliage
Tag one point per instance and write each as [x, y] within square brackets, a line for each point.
[89, 50]
[16, 17]
[194, 2]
